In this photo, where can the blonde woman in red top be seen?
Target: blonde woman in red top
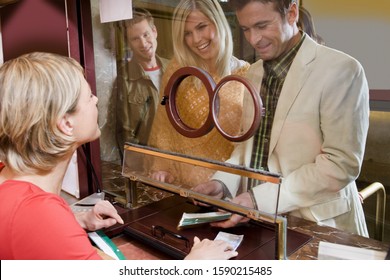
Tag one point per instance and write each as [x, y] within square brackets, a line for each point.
[47, 110]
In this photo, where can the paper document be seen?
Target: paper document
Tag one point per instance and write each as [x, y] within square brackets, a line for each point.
[233, 239]
[331, 251]
[115, 10]
[87, 203]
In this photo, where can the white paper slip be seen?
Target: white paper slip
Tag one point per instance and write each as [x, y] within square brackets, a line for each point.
[233, 239]
[331, 251]
[115, 10]
[87, 203]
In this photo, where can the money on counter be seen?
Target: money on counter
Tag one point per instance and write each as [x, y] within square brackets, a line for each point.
[233, 239]
[193, 219]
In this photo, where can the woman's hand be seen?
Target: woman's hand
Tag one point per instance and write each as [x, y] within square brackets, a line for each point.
[102, 215]
[211, 250]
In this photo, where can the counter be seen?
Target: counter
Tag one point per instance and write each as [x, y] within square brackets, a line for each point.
[135, 250]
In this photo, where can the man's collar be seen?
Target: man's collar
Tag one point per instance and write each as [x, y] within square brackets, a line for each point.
[276, 66]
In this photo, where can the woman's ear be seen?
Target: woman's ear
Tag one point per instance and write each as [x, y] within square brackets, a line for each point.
[65, 125]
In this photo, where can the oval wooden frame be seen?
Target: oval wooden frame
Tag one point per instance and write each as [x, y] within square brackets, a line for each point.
[256, 102]
[169, 100]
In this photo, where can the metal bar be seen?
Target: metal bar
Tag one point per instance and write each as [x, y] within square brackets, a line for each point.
[380, 191]
[215, 165]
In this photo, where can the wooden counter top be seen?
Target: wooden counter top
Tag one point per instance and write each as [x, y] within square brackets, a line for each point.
[135, 250]
[328, 234]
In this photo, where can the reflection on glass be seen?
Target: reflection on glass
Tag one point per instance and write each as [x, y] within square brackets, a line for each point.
[229, 115]
[161, 12]
[195, 118]
[142, 163]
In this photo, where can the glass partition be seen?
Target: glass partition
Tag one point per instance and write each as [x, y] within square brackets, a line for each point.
[142, 165]
[145, 164]
[112, 53]
[112, 50]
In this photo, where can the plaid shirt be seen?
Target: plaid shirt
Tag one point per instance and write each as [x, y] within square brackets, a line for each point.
[275, 72]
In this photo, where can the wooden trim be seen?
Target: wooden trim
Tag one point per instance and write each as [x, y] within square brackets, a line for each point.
[81, 49]
[83, 174]
[380, 94]
[74, 52]
[89, 65]
[380, 100]
[73, 30]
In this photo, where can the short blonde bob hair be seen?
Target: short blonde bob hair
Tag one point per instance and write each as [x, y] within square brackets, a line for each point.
[213, 11]
[36, 91]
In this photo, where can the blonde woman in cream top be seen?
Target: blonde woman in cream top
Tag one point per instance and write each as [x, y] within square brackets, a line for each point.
[202, 38]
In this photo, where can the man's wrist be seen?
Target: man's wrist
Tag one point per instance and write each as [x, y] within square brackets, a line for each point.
[226, 195]
[252, 196]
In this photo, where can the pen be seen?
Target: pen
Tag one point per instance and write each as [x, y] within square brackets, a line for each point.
[85, 204]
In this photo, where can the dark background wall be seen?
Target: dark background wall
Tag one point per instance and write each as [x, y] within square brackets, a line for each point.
[62, 27]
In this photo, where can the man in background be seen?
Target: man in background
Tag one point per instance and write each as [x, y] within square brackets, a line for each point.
[139, 81]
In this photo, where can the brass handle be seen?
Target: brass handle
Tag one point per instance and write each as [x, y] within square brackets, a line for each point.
[380, 191]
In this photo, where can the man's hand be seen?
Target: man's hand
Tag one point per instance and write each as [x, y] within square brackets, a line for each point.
[243, 199]
[211, 250]
[211, 188]
[102, 215]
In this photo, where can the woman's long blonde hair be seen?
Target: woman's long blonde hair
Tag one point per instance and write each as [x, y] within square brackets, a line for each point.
[212, 10]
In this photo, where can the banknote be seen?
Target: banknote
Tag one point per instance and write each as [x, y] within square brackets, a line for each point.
[193, 219]
[233, 239]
